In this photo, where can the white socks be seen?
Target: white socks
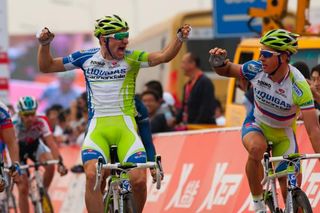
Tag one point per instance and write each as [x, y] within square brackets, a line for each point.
[258, 204]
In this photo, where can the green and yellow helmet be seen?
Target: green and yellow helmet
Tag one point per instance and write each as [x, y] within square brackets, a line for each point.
[109, 25]
[281, 40]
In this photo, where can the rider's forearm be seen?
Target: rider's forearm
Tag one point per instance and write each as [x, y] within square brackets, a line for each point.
[13, 150]
[44, 58]
[50, 142]
[171, 50]
[9, 137]
[226, 69]
[315, 140]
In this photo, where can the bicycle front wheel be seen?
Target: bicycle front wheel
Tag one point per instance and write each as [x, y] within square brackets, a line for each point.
[108, 204]
[268, 199]
[4, 207]
[301, 202]
[129, 204]
[46, 202]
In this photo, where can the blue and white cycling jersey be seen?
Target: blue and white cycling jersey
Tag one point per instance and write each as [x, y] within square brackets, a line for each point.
[5, 122]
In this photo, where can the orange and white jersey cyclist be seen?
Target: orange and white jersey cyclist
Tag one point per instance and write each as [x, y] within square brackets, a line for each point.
[36, 142]
[280, 93]
[110, 72]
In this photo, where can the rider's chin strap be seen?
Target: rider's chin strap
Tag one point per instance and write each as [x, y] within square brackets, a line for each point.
[279, 64]
[107, 46]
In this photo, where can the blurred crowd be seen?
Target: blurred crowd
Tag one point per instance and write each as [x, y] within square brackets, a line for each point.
[67, 112]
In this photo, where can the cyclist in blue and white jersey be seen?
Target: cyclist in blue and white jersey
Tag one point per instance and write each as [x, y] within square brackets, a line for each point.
[110, 72]
[280, 93]
[8, 138]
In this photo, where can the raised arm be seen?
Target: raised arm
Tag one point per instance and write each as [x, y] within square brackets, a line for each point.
[170, 51]
[222, 65]
[46, 62]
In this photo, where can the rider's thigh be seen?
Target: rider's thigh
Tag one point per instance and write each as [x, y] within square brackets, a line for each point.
[138, 177]
[255, 144]
[45, 156]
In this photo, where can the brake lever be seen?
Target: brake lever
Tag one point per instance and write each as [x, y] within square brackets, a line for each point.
[98, 173]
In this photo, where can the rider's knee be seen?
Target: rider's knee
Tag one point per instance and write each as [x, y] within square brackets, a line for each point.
[256, 152]
[90, 177]
[50, 168]
[23, 188]
[139, 180]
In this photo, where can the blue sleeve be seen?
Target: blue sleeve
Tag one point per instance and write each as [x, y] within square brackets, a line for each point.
[250, 69]
[77, 59]
[143, 123]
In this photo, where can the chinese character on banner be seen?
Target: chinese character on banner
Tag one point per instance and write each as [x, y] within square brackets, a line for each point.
[186, 191]
[222, 188]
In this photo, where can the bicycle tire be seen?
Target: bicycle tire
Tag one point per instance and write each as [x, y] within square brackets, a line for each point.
[46, 203]
[108, 205]
[13, 201]
[301, 201]
[4, 207]
[37, 207]
[268, 200]
[129, 204]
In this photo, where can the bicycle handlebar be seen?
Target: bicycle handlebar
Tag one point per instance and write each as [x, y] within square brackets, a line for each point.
[38, 164]
[126, 167]
[290, 157]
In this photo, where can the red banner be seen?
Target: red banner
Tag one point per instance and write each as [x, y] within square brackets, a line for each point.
[205, 172]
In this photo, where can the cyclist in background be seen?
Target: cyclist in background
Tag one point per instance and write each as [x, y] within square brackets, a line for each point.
[110, 73]
[144, 130]
[36, 143]
[8, 138]
[280, 92]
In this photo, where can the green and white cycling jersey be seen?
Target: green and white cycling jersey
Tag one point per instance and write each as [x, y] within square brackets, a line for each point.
[110, 83]
[276, 105]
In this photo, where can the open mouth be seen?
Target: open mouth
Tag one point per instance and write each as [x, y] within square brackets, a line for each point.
[121, 49]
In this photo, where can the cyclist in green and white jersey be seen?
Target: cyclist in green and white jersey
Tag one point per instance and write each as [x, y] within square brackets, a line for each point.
[280, 93]
[110, 72]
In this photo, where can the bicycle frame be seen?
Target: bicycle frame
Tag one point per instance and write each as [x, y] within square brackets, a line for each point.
[291, 172]
[6, 196]
[118, 182]
[36, 188]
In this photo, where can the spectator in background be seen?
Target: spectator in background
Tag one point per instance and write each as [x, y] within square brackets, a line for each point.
[152, 101]
[219, 117]
[198, 101]
[166, 99]
[303, 68]
[62, 92]
[53, 119]
[315, 87]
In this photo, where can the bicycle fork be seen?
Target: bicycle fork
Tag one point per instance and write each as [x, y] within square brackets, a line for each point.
[35, 187]
[292, 184]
